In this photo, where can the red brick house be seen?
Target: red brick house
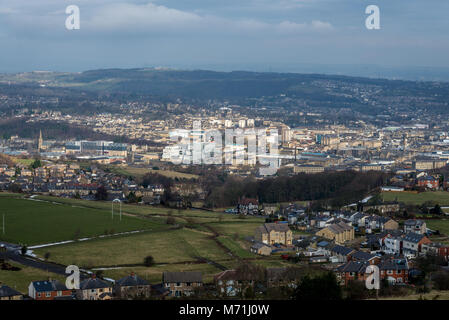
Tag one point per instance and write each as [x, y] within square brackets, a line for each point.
[48, 290]
[428, 182]
[393, 270]
[351, 271]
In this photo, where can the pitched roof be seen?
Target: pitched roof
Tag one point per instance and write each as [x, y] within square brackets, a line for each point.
[413, 222]
[193, 276]
[394, 264]
[51, 285]
[93, 283]
[353, 266]
[413, 237]
[132, 280]
[341, 250]
[339, 227]
[6, 291]
[393, 233]
[279, 227]
[362, 256]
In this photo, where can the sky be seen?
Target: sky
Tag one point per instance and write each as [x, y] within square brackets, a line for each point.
[261, 35]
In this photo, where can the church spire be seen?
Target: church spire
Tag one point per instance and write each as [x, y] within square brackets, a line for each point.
[40, 142]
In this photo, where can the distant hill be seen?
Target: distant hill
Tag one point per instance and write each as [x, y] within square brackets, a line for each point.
[202, 84]
[366, 95]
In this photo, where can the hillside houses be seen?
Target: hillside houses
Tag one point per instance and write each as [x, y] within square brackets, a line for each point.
[274, 233]
[248, 206]
[68, 180]
[7, 293]
[48, 290]
[94, 288]
[131, 287]
[415, 226]
[181, 284]
[338, 232]
[372, 222]
[394, 270]
[409, 244]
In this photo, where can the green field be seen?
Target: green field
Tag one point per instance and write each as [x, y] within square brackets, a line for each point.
[166, 247]
[236, 248]
[439, 224]
[199, 233]
[240, 227]
[143, 210]
[36, 222]
[441, 197]
[20, 280]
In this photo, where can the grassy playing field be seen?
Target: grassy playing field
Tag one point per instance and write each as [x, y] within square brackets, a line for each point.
[441, 197]
[36, 222]
[144, 210]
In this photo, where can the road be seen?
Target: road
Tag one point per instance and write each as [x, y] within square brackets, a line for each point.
[42, 265]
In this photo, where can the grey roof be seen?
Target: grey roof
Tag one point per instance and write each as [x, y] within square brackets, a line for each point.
[353, 266]
[396, 264]
[132, 280]
[362, 256]
[268, 227]
[344, 251]
[6, 291]
[359, 215]
[93, 283]
[413, 237]
[413, 222]
[192, 276]
[394, 233]
[339, 227]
